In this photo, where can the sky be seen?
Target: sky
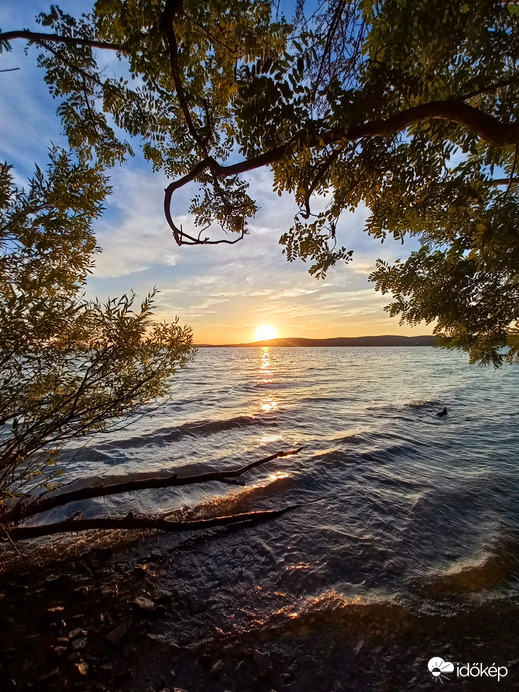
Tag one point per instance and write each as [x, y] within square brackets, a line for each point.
[223, 292]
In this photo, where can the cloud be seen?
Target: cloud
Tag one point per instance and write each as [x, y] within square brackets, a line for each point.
[136, 237]
[225, 291]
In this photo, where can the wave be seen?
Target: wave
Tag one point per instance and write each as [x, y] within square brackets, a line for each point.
[164, 436]
[492, 571]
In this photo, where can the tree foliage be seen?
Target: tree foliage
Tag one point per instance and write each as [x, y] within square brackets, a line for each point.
[68, 366]
[406, 108]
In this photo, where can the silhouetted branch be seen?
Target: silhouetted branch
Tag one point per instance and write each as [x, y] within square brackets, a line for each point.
[167, 28]
[320, 172]
[131, 522]
[41, 39]
[486, 126]
[28, 509]
[503, 181]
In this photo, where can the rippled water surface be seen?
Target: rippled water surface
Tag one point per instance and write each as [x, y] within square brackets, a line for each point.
[402, 511]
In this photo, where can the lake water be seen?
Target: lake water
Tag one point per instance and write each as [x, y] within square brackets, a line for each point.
[406, 517]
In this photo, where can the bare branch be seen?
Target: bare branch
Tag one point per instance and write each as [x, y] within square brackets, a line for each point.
[41, 39]
[503, 181]
[24, 510]
[131, 522]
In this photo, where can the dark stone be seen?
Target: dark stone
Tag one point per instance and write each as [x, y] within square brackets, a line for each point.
[103, 553]
[125, 676]
[143, 603]
[162, 596]
[79, 644]
[159, 610]
[117, 634]
[262, 661]
[216, 668]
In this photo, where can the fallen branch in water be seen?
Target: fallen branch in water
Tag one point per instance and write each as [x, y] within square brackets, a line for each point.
[23, 510]
[135, 522]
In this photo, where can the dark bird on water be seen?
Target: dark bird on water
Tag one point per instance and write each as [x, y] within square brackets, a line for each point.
[442, 413]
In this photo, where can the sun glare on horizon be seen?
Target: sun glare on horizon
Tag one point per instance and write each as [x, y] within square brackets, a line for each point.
[265, 332]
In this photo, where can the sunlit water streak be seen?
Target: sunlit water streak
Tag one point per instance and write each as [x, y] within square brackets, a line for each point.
[401, 508]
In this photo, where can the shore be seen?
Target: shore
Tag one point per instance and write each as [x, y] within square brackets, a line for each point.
[95, 616]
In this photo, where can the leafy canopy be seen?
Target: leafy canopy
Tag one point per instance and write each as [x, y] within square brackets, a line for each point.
[407, 108]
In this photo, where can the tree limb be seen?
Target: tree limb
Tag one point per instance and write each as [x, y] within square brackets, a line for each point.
[41, 39]
[167, 28]
[319, 174]
[486, 126]
[480, 123]
[130, 522]
[503, 181]
[28, 509]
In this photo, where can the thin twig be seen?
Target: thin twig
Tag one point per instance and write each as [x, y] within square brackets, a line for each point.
[10, 539]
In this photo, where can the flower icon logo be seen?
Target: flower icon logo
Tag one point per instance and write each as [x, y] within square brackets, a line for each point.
[437, 667]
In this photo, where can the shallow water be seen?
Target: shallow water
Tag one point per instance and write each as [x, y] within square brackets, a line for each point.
[404, 514]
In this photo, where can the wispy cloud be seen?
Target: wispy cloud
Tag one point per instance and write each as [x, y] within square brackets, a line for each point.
[244, 284]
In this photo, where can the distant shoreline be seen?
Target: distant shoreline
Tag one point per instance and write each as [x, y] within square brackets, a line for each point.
[298, 342]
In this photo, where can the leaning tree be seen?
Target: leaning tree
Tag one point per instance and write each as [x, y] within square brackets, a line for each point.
[70, 367]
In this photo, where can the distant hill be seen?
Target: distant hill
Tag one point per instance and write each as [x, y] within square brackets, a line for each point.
[339, 341]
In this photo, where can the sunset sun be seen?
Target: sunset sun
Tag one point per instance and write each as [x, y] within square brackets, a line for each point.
[265, 332]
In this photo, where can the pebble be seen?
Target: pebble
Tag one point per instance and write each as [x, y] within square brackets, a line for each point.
[78, 644]
[77, 632]
[162, 596]
[125, 676]
[216, 667]
[117, 634]
[81, 668]
[143, 603]
[262, 661]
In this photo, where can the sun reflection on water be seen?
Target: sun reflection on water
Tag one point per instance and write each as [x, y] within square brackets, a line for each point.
[267, 403]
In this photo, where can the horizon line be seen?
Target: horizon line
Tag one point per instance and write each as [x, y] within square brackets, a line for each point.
[273, 342]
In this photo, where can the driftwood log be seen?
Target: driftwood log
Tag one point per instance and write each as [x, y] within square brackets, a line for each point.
[9, 522]
[137, 522]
